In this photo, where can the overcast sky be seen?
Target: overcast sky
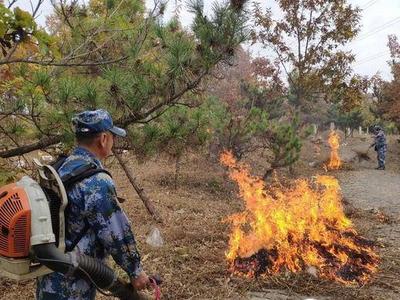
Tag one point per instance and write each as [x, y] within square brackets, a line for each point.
[379, 19]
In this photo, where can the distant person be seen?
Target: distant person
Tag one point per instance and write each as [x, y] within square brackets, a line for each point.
[380, 146]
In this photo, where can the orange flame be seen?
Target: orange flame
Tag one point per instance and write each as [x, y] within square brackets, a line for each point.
[295, 228]
[335, 163]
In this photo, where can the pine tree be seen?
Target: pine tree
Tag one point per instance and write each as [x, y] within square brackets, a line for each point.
[111, 55]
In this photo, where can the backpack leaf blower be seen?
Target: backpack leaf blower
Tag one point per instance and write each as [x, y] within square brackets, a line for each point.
[32, 235]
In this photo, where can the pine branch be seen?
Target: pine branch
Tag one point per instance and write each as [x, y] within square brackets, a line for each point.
[125, 121]
[42, 143]
[63, 64]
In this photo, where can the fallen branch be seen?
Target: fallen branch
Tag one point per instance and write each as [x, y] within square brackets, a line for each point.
[139, 190]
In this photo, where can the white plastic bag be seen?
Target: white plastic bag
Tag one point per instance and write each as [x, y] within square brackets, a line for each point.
[154, 238]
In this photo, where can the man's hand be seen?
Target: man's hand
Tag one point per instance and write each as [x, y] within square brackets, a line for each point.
[140, 282]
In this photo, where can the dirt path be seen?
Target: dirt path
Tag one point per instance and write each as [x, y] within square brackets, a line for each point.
[372, 189]
[376, 197]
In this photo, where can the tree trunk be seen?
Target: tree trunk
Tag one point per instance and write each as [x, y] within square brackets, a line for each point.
[139, 190]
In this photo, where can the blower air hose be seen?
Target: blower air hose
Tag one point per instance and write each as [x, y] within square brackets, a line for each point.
[98, 273]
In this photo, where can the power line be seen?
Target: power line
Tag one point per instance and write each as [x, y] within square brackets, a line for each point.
[381, 27]
[369, 4]
[369, 59]
[378, 29]
[379, 53]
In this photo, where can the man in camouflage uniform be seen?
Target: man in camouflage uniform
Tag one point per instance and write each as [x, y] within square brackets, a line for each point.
[95, 222]
[380, 146]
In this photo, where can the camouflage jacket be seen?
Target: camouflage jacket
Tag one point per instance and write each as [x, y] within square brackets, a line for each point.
[380, 140]
[92, 200]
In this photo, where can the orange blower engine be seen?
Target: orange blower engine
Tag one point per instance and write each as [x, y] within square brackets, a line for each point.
[15, 221]
[26, 223]
[32, 236]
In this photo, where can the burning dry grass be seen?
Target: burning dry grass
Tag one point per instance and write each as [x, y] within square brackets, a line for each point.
[294, 229]
[334, 142]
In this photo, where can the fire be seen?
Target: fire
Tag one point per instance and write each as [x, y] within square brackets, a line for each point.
[333, 140]
[294, 229]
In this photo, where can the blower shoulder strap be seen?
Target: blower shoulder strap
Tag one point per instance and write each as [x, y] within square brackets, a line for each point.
[86, 170]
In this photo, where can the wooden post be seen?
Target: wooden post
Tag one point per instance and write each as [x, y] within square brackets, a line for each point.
[139, 190]
[332, 126]
[360, 131]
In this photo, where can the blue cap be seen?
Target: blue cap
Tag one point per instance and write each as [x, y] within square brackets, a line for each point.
[95, 121]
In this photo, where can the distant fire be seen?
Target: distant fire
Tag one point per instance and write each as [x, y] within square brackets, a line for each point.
[294, 229]
[334, 163]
